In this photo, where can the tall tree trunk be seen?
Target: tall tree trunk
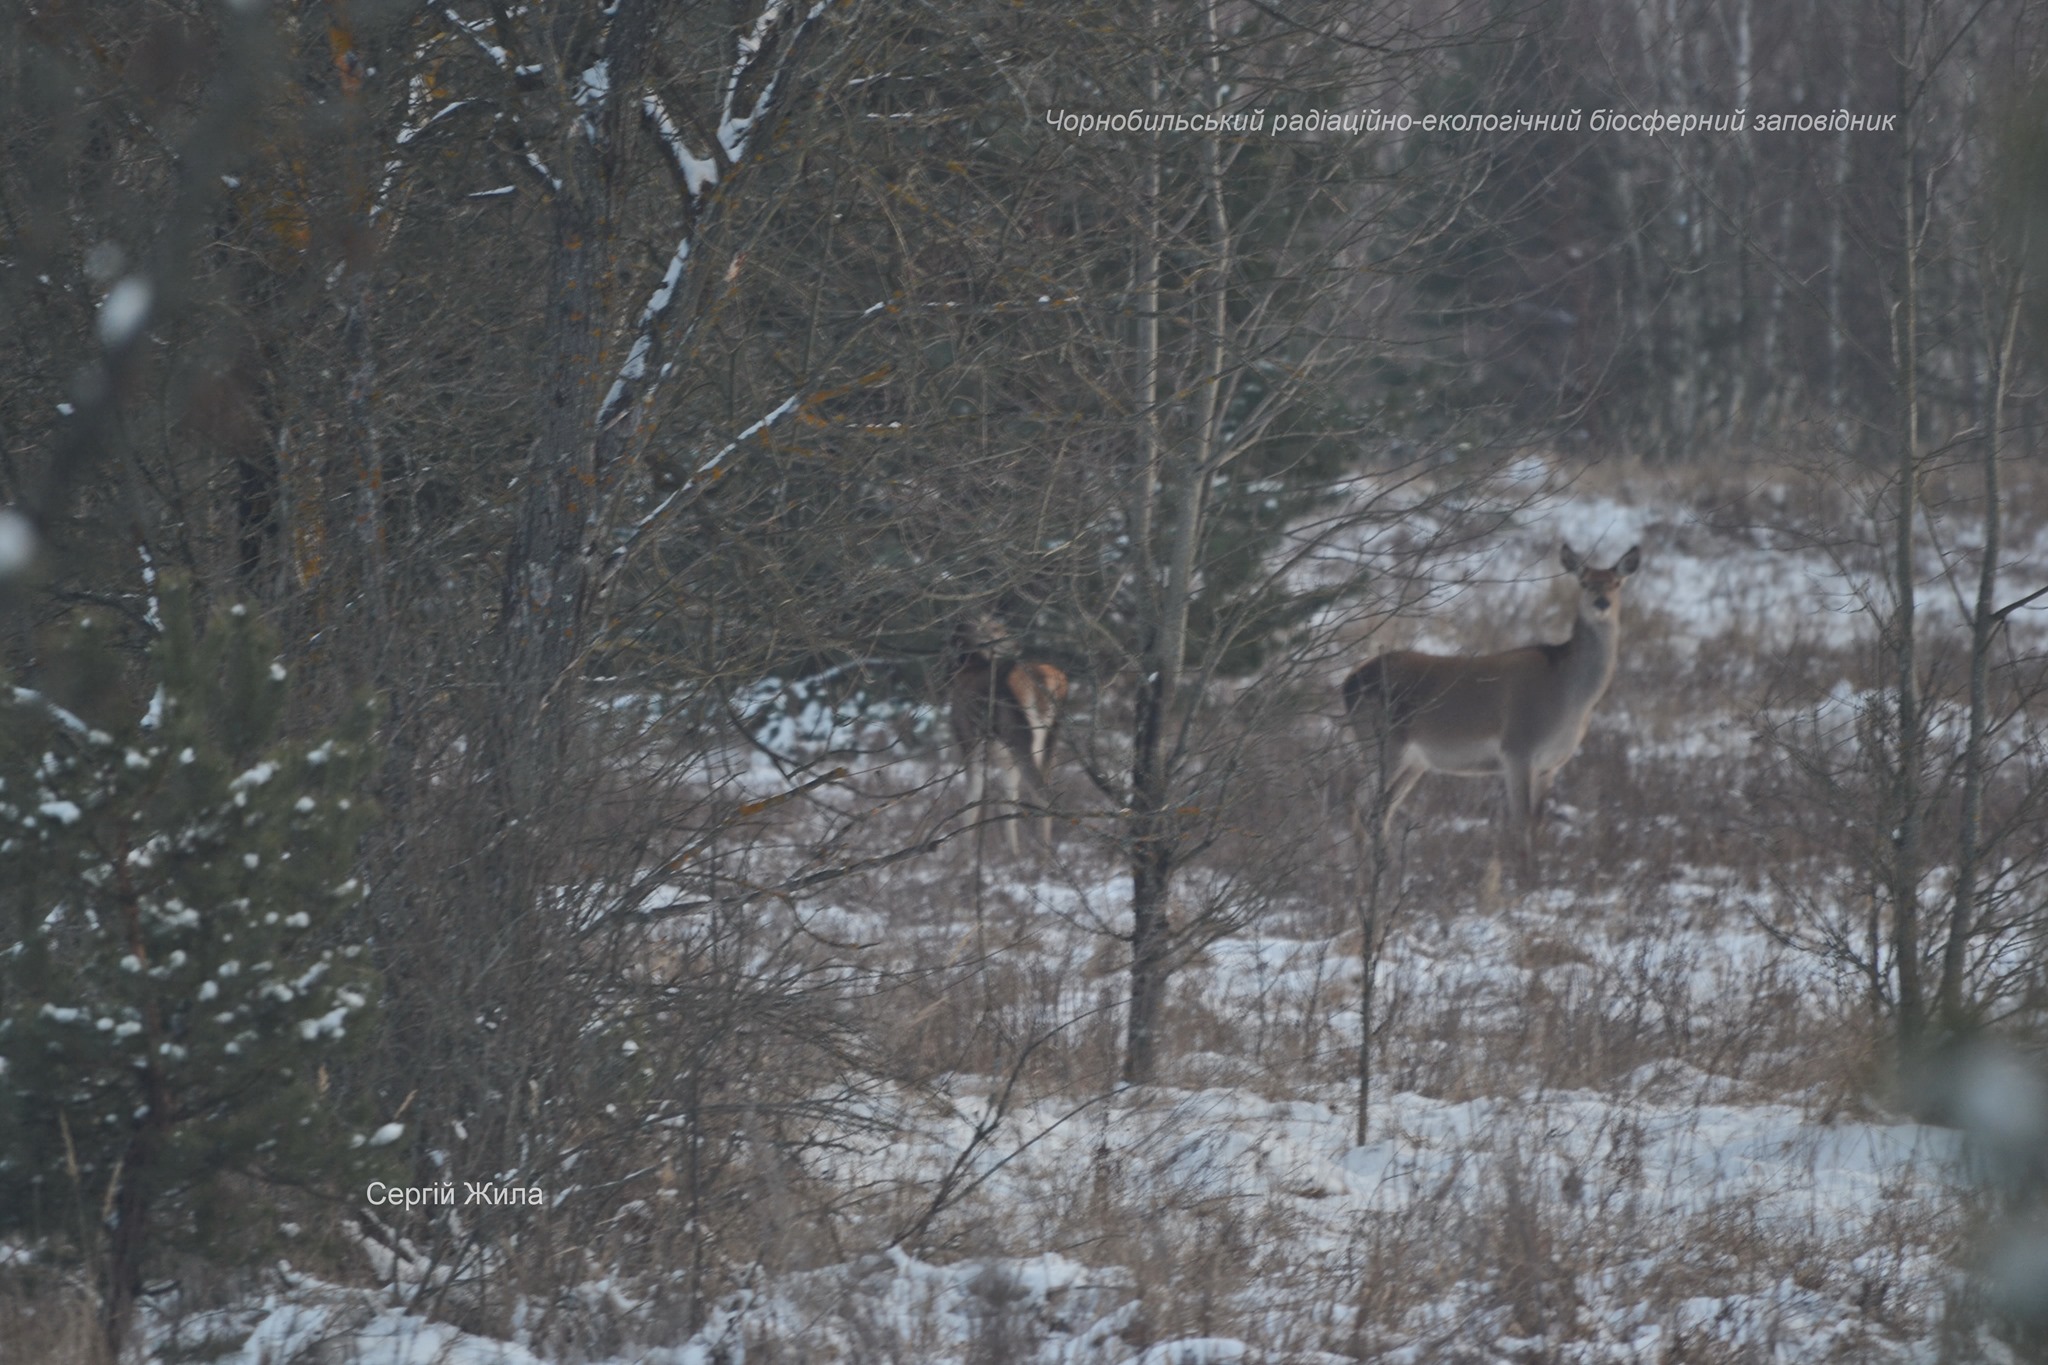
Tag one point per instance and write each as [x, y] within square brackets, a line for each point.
[1371, 921]
[550, 570]
[1904, 888]
[1984, 621]
[127, 1211]
[1148, 338]
[1155, 839]
[547, 572]
[1740, 309]
[1151, 878]
[1149, 882]
[127, 1239]
[1837, 240]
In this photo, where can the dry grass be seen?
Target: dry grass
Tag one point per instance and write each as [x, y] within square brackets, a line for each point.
[47, 1318]
[1547, 1064]
[1544, 1061]
[1614, 986]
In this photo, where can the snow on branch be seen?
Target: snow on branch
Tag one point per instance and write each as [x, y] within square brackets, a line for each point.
[406, 135]
[717, 461]
[475, 32]
[643, 344]
[760, 424]
[151, 611]
[974, 309]
[540, 168]
[734, 128]
[700, 174]
[421, 118]
[24, 696]
[705, 470]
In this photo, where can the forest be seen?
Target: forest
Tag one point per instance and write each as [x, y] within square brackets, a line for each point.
[683, 682]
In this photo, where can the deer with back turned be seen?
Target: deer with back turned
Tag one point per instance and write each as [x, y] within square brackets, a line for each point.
[1005, 711]
[1518, 715]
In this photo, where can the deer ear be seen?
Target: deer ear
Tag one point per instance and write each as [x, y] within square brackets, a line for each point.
[1629, 562]
[1569, 558]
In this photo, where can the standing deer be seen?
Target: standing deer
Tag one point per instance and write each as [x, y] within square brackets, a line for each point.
[1005, 710]
[1518, 715]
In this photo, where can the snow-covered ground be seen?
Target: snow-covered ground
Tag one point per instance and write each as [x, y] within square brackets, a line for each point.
[1618, 1119]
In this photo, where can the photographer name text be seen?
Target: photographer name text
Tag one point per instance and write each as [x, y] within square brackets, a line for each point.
[448, 1195]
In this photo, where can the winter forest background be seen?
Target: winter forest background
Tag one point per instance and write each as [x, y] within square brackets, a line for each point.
[485, 492]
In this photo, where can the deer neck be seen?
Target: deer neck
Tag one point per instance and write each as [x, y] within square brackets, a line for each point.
[1587, 659]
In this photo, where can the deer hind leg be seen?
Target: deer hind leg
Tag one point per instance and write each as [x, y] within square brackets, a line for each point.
[1013, 784]
[1042, 728]
[977, 761]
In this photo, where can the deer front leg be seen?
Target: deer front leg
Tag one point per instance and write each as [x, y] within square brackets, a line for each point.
[1375, 800]
[1397, 791]
[1522, 797]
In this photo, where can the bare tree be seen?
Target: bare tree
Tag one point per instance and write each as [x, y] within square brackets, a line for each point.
[1242, 260]
[1911, 782]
